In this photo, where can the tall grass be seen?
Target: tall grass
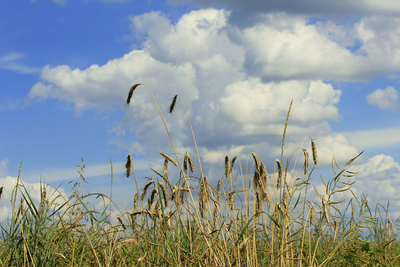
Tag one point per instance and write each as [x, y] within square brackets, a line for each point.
[250, 218]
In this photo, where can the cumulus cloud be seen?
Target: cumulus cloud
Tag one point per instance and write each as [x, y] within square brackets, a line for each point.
[237, 83]
[247, 12]
[384, 99]
[377, 138]
[379, 179]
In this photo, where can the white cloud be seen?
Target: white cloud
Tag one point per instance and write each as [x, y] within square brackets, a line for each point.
[252, 8]
[10, 61]
[379, 178]
[378, 138]
[237, 83]
[260, 105]
[384, 99]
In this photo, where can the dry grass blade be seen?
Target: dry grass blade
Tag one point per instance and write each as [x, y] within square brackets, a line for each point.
[128, 100]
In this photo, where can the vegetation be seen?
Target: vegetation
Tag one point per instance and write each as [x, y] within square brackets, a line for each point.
[268, 221]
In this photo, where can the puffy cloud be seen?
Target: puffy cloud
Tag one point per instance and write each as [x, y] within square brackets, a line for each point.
[254, 103]
[379, 179]
[378, 138]
[384, 99]
[237, 83]
[108, 85]
[246, 12]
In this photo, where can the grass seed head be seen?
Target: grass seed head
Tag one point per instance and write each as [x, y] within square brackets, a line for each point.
[172, 106]
[128, 100]
[278, 184]
[227, 167]
[168, 158]
[146, 186]
[232, 164]
[122, 222]
[314, 151]
[128, 165]
[305, 161]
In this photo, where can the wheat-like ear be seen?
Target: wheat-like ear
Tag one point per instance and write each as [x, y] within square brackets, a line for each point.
[257, 161]
[128, 165]
[164, 191]
[128, 100]
[219, 192]
[278, 184]
[168, 158]
[336, 229]
[146, 186]
[172, 106]
[314, 151]
[122, 222]
[42, 201]
[305, 161]
[22, 207]
[1, 191]
[203, 197]
[390, 226]
[153, 193]
[166, 170]
[135, 200]
[226, 167]
[286, 123]
[232, 164]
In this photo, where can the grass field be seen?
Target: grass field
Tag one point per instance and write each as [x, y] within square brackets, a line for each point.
[250, 218]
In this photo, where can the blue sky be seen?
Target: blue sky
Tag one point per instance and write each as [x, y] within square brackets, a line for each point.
[66, 68]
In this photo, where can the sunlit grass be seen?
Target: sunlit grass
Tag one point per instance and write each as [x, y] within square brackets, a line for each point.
[250, 218]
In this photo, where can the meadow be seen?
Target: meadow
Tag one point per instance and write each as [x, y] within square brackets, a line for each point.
[249, 218]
